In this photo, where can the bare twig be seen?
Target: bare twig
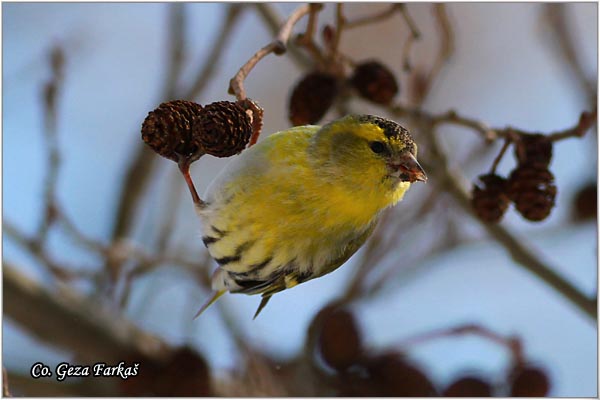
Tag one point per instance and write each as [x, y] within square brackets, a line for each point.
[415, 35]
[273, 21]
[374, 18]
[70, 321]
[498, 158]
[141, 169]
[51, 94]
[512, 344]
[176, 48]
[277, 46]
[586, 121]
[5, 390]
[516, 247]
[212, 60]
[306, 39]
[557, 16]
[36, 249]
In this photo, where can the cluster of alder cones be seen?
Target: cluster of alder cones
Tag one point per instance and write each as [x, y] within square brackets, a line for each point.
[530, 186]
[392, 374]
[314, 94]
[182, 130]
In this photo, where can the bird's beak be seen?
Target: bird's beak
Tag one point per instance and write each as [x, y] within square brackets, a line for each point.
[409, 168]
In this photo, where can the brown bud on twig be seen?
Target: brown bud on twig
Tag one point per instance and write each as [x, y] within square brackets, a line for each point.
[222, 129]
[312, 97]
[585, 206]
[375, 82]
[397, 377]
[529, 381]
[168, 130]
[468, 386]
[532, 190]
[489, 199]
[339, 340]
[534, 149]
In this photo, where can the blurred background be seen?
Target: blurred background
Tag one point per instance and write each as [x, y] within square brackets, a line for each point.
[102, 257]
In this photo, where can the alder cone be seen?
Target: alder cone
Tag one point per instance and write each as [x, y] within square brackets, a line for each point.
[529, 381]
[585, 206]
[184, 373]
[468, 386]
[532, 189]
[168, 129]
[395, 376]
[312, 97]
[339, 339]
[489, 199]
[375, 82]
[222, 129]
[536, 150]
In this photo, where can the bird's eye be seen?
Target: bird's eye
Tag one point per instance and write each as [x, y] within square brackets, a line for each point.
[377, 147]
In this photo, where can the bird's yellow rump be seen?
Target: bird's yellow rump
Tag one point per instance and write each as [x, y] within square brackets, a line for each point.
[298, 204]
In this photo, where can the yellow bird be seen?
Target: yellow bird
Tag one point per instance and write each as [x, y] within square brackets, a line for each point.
[298, 204]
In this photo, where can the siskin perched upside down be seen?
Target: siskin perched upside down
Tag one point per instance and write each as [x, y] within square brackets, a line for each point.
[297, 205]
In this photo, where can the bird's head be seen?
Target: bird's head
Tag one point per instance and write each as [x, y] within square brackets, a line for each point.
[370, 151]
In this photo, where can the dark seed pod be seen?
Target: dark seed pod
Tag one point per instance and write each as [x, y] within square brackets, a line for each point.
[468, 386]
[395, 376]
[222, 129]
[489, 198]
[585, 206]
[312, 97]
[339, 339]
[532, 190]
[529, 381]
[534, 150]
[375, 82]
[168, 130]
[184, 373]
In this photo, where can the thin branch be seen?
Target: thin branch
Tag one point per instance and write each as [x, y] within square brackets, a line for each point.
[512, 344]
[516, 247]
[5, 390]
[415, 35]
[306, 39]
[176, 48]
[374, 18]
[277, 46]
[557, 16]
[586, 121]
[213, 59]
[498, 158]
[51, 92]
[35, 248]
[69, 321]
[273, 21]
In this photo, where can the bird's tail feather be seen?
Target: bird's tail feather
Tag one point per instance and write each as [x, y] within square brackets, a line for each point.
[215, 297]
[263, 303]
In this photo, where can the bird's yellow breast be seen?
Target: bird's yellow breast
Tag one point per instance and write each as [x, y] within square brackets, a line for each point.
[275, 204]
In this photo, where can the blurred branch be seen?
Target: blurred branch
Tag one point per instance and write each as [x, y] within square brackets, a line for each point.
[36, 249]
[516, 247]
[512, 344]
[25, 385]
[51, 93]
[139, 172]
[374, 18]
[212, 60]
[273, 21]
[176, 47]
[277, 46]
[585, 122]
[5, 390]
[556, 14]
[65, 319]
